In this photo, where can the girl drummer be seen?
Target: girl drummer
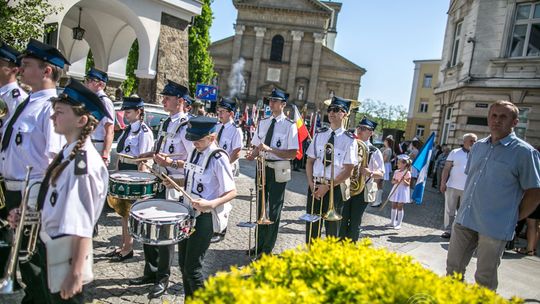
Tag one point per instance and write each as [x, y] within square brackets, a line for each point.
[210, 190]
[136, 139]
[73, 192]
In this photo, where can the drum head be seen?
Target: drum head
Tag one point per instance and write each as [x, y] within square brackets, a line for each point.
[160, 210]
[132, 176]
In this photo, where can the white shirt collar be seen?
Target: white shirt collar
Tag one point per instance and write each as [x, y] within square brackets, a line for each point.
[8, 87]
[67, 150]
[337, 131]
[135, 126]
[43, 93]
[279, 118]
[178, 115]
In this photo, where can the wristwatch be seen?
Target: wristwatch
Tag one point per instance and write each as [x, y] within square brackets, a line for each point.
[174, 164]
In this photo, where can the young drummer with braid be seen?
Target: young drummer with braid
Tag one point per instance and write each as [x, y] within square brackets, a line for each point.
[73, 191]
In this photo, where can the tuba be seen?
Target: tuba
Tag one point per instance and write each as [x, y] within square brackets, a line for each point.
[358, 180]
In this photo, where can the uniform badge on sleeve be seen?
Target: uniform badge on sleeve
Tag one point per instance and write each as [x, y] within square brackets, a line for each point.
[81, 163]
[15, 93]
[53, 198]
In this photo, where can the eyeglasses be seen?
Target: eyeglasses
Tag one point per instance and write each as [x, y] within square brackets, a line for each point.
[90, 80]
[362, 128]
[334, 109]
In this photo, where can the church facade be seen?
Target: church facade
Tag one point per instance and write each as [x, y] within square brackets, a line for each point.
[287, 45]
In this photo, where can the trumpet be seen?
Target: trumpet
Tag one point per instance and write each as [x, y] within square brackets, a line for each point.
[261, 189]
[331, 215]
[25, 236]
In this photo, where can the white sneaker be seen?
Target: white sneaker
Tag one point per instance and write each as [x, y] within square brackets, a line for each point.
[397, 227]
[389, 225]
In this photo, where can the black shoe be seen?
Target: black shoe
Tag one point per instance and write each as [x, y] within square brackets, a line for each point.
[115, 252]
[158, 289]
[446, 235]
[120, 257]
[142, 280]
[218, 237]
[96, 232]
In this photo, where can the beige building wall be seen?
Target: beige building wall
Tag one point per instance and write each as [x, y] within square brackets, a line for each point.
[422, 102]
[491, 51]
[309, 70]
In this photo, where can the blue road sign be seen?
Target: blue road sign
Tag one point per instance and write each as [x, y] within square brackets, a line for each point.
[206, 92]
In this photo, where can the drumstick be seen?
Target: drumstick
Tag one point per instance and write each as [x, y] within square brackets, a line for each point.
[151, 157]
[164, 176]
[122, 155]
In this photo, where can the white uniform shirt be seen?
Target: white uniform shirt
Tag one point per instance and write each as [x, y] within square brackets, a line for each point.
[175, 141]
[216, 179]
[38, 143]
[285, 135]
[139, 140]
[77, 200]
[345, 151]
[457, 177]
[99, 133]
[13, 95]
[376, 162]
[231, 137]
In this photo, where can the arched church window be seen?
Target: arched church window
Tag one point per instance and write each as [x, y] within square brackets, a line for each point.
[276, 53]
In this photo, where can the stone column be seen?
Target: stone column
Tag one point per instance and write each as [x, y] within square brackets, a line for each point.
[314, 75]
[297, 38]
[237, 44]
[257, 52]
[172, 61]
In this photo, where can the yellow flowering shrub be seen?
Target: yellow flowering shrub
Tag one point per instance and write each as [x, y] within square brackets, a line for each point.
[331, 271]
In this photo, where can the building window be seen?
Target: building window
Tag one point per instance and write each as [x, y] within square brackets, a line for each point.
[423, 108]
[521, 127]
[276, 53]
[526, 32]
[427, 81]
[477, 121]
[456, 45]
[420, 131]
[51, 34]
[447, 125]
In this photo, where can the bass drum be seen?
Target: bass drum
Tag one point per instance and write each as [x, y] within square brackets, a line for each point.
[132, 185]
[161, 222]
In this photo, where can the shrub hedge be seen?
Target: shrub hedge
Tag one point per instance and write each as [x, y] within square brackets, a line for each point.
[331, 271]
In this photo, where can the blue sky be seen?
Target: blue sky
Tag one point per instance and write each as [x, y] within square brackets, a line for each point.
[383, 37]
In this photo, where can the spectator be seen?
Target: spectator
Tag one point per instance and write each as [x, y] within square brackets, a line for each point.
[441, 160]
[453, 181]
[503, 185]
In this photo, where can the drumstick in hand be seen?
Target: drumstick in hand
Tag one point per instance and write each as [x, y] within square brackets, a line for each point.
[151, 157]
[164, 177]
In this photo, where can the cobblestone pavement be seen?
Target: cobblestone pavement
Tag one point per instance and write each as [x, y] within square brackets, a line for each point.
[421, 225]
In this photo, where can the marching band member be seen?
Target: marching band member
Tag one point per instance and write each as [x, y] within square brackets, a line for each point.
[230, 139]
[210, 190]
[103, 135]
[136, 139]
[72, 193]
[171, 140]
[276, 139]
[354, 207]
[29, 138]
[345, 158]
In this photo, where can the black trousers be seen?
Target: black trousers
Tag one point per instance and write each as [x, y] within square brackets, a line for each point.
[353, 210]
[13, 200]
[331, 227]
[275, 194]
[191, 254]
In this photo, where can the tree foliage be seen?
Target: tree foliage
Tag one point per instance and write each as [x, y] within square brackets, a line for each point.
[23, 19]
[131, 84]
[387, 116]
[89, 61]
[201, 66]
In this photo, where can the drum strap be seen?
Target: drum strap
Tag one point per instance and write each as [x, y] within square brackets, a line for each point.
[192, 167]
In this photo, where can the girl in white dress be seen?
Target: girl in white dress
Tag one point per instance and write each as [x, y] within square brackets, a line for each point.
[401, 193]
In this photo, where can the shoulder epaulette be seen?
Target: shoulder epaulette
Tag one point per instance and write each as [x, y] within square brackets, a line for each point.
[217, 154]
[322, 129]
[349, 134]
[289, 120]
[183, 123]
[144, 128]
[81, 163]
[265, 118]
[15, 93]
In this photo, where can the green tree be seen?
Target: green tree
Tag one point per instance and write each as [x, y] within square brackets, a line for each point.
[89, 61]
[131, 84]
[22, 20]
[387, 116]
[201, 67]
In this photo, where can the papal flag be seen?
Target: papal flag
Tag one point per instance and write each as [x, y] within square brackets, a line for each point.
[421, 163]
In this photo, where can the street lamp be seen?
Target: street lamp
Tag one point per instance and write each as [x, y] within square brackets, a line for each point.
[78, 32]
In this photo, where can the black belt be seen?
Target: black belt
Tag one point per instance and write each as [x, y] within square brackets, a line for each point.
[97, 141]
[276, 160]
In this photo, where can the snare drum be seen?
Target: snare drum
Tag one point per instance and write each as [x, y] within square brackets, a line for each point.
[132, 185]
[160, 222]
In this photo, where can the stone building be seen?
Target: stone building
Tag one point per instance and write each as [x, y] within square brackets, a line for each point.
[288, 45]
[422, 100]
[491, 52]
[109, 29]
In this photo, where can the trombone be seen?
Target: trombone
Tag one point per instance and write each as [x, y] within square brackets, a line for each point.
[261, 195]
[331, 215]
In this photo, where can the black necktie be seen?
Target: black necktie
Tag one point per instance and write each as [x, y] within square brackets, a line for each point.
[9, 127]
[270, 133]
[163, 129]
[328, 151]
[220, 132]
[45, 183]
[122, 141]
